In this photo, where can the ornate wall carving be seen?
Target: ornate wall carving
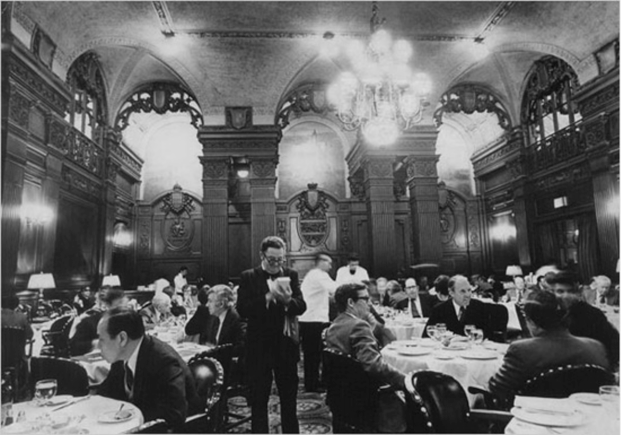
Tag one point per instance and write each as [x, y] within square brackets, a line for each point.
[568, 176]
[306, 98]
[75, 180]
[263, 168]
[469, 99]
[215, 169]
[497, 155]
[21, 73]
[312, 205]
[178, 226]
[421, 168]
[19, 109]
[377, 168]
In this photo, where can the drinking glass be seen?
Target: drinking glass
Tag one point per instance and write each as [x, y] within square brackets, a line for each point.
[477, 336]
[610, 399]
[45, 390]
[468, 331]
[431, 332]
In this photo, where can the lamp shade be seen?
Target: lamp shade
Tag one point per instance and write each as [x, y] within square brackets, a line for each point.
[111, 280]
[514, 270]
[41, 281]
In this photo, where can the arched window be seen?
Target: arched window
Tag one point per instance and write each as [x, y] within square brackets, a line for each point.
[547, 106]
[87, 112]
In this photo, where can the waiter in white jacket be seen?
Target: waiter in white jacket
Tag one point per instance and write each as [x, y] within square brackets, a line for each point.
[317, 287]
[352, 272]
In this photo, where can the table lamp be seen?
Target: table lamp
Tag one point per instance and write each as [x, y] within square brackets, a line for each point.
[41, 281]
[111, 280]
[514, 271]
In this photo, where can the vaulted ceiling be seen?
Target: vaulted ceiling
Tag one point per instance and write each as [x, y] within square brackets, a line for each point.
[252, 53]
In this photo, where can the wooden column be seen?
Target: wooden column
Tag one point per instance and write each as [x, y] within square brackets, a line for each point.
[215, 219]
[263, 202]
[380, 199]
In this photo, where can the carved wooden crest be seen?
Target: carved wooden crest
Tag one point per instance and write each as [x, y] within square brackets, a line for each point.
[313, 223]
[178, 226]
[239, 117]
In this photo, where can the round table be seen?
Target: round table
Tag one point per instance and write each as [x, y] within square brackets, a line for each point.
[84, 414]
[405, 330]
[467, 371]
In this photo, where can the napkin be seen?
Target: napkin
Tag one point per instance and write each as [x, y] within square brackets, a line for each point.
[545, 405]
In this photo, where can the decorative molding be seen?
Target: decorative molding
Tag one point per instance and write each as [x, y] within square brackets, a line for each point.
[177, 202]
[75, 180]
[19, 109]
[310, 97]
[473, 224]
[345, 239]
[560, 147]
[164, 16]
[418, 168]
[75, 146]
[356, 186]
[516, 167]
[43, 47]
[215, 169]
[597, 101]
[608, 57]
[469, 99]
[377, 168]
[312, 205]
[596, 131]
[501, 11]
[145, 235]
[23, 19]
[509, 147]
[263, 168]
[24, 75]
[568, 177]
[281, 228]
[112, 170]
[238, 118]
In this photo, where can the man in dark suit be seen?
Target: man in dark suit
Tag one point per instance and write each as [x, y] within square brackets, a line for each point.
[583, 319]
[218, 322]
[269, 305]
[419, 305]
[460, 309]
[551, 346]
[145, 371]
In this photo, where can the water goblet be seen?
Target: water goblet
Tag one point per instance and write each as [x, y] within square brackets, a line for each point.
[45, 390]
[477, 336]
[610, 399]
[441, 328]
[431, 331]
[468, 331]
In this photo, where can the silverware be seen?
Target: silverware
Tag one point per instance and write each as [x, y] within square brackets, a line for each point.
[117, 414]
[71, 403]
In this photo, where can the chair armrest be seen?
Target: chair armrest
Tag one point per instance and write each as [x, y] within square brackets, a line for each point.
[490, 400]
[491, 415]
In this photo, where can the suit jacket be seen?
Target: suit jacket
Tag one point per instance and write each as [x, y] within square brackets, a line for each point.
[427, 303]
[204, 324]
[163, 384]
[85, 332]
[353, 336]
[585, 320]
[445, 313]
[529, 357]
[265, 324]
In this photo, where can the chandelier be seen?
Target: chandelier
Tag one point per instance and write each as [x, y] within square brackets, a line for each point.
[382, 97]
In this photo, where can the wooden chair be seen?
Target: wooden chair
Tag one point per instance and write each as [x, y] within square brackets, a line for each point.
[437, 403]
[14, 357]
[154, 426]
[70, 375]
[57, 337]
[566, 380]
[209, 379]
[352, 394]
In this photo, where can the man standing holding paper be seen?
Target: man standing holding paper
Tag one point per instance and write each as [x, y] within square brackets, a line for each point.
[269, 297]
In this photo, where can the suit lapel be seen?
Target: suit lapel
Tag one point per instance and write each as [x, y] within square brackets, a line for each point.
[141, 365]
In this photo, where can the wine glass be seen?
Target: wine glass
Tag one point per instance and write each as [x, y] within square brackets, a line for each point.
[468, 331]
[477, 336]
[431, 331]
[45, 390]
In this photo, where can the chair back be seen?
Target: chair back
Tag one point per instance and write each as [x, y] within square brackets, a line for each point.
[57, 337]
[497, 318]
[70, 375]
[208, 378]
[224, 354]
[352, 394]
[154, 426]
[13, 344]
[436, 403]
[566, 380]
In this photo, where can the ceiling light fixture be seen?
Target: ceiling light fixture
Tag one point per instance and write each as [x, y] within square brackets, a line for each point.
[383, 96]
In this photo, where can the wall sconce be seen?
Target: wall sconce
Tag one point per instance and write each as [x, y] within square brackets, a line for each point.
[241, 166]
[111, 280]
[41, 281]
[36, 214]
[514, 271]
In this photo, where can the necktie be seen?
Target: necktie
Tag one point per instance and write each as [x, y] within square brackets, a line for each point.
[129, 380]
[414, 310]
[272, 276]
[214, 332]
[462, 311]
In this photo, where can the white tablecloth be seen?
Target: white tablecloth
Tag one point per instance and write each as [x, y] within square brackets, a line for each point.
[466, 371]
[406, 331]
[92, 409]
[597, 422]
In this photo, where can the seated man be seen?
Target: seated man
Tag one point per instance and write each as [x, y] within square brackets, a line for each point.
[218, 322]
[460, 309]
[396, 295]
[83, 332]
[418, 304]
[158, 312]
[351, 334]
[551, 346]
[176, 302]
[144, 370]
[84, 300]
[583, 319]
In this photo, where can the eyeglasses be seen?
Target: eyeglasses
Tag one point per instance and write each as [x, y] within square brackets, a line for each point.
[275, 260]
[411, 286]
[363, 298]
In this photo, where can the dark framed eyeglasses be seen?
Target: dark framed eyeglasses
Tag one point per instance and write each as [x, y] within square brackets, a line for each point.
[275, 260]
[363, 298]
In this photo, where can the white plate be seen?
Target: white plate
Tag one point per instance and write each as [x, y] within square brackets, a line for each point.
[428, 342]
[479, 355]
[414, 351]
[17, 428]
[587, 398]
[444, 356]
[110, 416]
[548, 418]
[411, 343]
[59, 400]
[456, 346]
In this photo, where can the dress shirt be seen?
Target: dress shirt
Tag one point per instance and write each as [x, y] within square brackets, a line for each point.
[221, 317]
[457, 308]
[343, 275]
[419, 308]
[180, 282]
[131, 364]
[316, 290]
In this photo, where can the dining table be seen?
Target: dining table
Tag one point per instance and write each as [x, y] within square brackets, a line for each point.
[470, 364]
[578, 414]
[92, 414]
[406, 328]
